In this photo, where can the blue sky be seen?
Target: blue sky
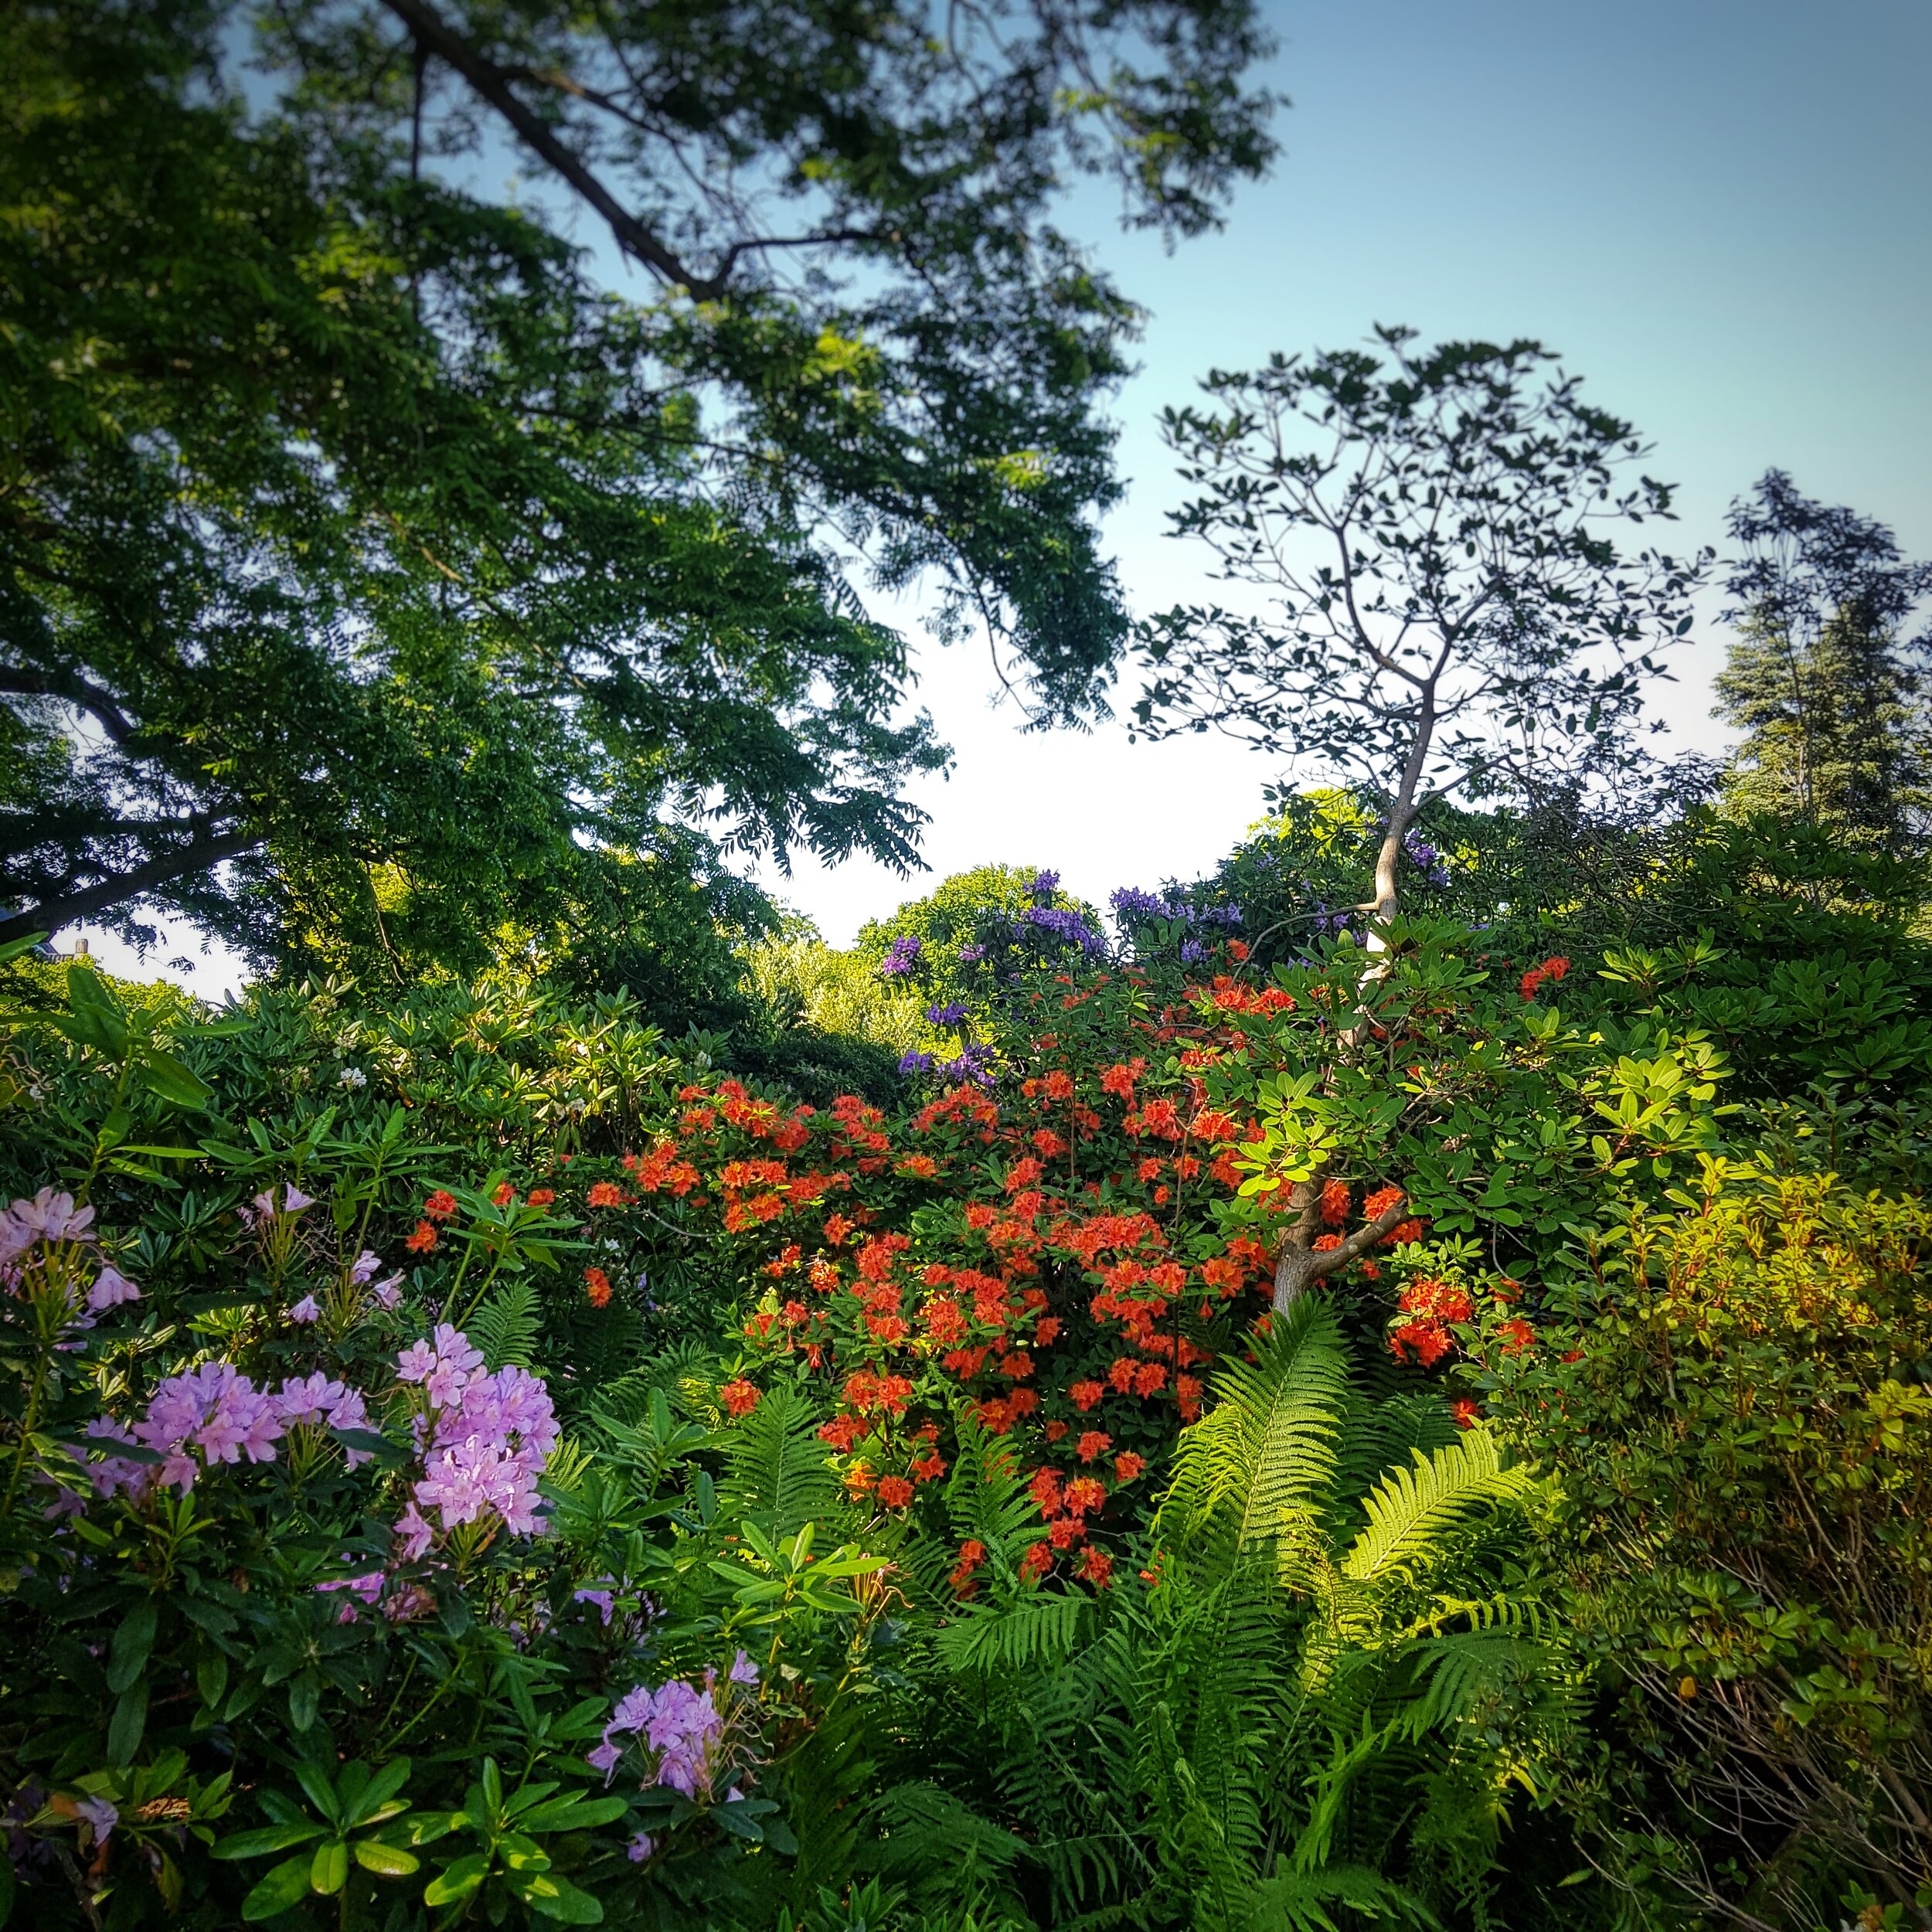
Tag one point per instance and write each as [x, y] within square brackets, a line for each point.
[1721, 213]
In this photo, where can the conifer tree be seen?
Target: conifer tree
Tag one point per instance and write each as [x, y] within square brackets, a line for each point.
[1823, 678]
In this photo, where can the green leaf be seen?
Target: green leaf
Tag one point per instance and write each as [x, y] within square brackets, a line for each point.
[382, 1788]
[573, 1813]
[283, 1889]
[265, 1839]
[552, 1897]
[133, 1639]
[328, 1871]
[172, 1080]
[130, 1720]
[459, 1881]
[386, 1861]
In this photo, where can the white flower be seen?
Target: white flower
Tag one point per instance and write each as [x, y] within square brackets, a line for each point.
[351, 1076]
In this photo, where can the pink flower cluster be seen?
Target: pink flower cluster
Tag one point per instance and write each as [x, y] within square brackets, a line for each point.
[681, 1725]
[50, 1221]
[262, 1209]
[216, 1414]
[485, 1438]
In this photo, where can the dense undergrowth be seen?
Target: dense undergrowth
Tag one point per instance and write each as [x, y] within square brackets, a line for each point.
[1240, 1429]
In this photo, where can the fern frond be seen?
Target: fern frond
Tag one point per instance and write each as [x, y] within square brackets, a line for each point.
[1295, 1901]
[777, 1474]
[506, 1327]
[988, 1498]
[1265, 1453]
[1410, 1510]
[1039, 1628]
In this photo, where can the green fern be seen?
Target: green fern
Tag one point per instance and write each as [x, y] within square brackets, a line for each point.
[1251, 1470]
[507, 1325]
[777, 1474]
[1038, 1628]
[1410, 1509]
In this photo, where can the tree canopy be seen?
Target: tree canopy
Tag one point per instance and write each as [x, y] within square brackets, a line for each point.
[356, 534]
[1830, 691]
[1433, 532]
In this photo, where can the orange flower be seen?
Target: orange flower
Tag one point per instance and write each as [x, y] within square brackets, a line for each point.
[1379, 1203]
[1334, 1202]
[606, 1194]
[895, 1492]
[740, 1397]
[1097, 1566]
[1036, 1563]
[504, 1194]
[542, 1196]
[1086, 1394]
[597, 1286]
[423, 1240]
[1467, 1412]
[1094, 1442]
[1238, 951]
[440, 1205]
[1126, 1465]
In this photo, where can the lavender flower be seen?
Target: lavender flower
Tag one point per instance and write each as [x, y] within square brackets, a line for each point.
[1192, 952]
[902, 956]
[110, 1289]
[950, 1014]
[915, 1062]
[677, 1721]
[48, 1217]
[367, 1266]
[215, 1409]
[305, 1311]
[101, 1816]
[640, 1847]
[1045, 884]
[972, 955]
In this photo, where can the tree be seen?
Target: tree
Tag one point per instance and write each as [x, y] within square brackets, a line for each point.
[1830, 693]
[350, 525]
[1450, 609]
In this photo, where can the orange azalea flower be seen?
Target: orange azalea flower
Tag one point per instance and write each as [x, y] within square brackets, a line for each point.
[504, 1194]
[606, 1194]
[597, 1285]
[1097, 1566]
[1334, 1202]
[423, 1240]
[1468, 1413]
[895, 1491]
[440, 1205]
[542, 1196]
[1085, 1394]
[740, 1397]
[1094, 1442]
[1126, 1465]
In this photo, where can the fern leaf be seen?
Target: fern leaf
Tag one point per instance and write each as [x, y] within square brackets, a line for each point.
[1037, 1629]
[1409, 1510]
[1265, 1453]
[778, 1475]
[506, 1327]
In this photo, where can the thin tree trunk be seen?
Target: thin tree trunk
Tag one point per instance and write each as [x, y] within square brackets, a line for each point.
[1402, 814]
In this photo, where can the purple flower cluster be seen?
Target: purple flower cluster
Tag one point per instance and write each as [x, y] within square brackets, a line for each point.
[913, 1061]
[950, 1014]
[486, 1438]
[902, 956]
[975, 1064]
[972, 955]
[51, 1217]
[214, 1414]
[680, 1724]
[1130, 904]
[387, 1293]
[1044, 885]
[50, 1222]
[1067, 927]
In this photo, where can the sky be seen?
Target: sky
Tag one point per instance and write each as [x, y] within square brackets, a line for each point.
[1720, 213]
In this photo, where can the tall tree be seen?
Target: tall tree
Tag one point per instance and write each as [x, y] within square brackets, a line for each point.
[352, 532]
[1447, 607]
[1830, 691]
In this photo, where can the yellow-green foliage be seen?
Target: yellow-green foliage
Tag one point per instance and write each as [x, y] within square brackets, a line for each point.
[801, 978]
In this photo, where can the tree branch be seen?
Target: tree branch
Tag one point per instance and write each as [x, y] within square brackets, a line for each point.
[198, 856]
[491, 84]
[18, 682]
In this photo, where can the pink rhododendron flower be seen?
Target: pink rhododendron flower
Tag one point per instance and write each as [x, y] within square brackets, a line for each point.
[305, 1311]
[110, 1289]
